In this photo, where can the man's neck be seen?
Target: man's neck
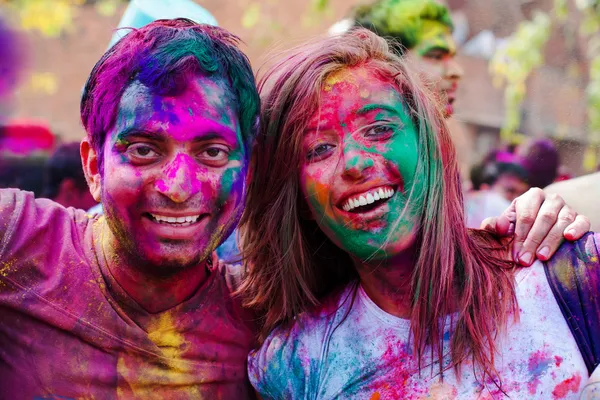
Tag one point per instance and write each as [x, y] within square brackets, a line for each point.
[152, 292]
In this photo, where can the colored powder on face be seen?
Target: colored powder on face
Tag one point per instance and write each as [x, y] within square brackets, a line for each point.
[340, 77]
[345, 110]
[435, 36]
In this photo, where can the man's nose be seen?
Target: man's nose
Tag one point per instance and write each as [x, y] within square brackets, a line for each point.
[453, 69]
[179, 180]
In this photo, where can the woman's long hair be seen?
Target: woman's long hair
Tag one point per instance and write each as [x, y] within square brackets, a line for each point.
[292, 266]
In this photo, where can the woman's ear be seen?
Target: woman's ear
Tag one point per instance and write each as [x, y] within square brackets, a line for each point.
[89, 160]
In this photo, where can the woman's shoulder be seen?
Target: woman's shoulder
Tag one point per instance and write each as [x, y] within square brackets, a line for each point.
[295, 350]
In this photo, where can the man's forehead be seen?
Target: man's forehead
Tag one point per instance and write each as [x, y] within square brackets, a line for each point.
[200, 96]
[436, 34]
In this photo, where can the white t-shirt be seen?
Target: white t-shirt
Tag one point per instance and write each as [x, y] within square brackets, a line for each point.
[367, 355]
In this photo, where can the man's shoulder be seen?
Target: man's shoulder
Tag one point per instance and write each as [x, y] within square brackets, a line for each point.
[582, 194]
[39, 238]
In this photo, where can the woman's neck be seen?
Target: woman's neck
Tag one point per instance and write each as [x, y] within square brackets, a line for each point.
[388, 282]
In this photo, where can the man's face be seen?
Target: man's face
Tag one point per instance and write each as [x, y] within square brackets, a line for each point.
[433, 59]
[509, 186]
[174, 169]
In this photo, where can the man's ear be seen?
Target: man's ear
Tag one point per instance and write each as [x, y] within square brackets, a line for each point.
[89, 160]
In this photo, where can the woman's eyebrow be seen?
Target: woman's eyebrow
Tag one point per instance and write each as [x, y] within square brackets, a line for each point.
[371, 107]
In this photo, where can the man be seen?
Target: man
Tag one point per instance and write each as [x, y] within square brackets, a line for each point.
[64, 180]
[506, 179]
[422, 33]
[135, 304]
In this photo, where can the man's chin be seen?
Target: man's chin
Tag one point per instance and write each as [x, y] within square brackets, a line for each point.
[448, 110]
[170, 261]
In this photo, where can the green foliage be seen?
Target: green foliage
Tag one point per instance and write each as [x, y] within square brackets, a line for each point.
[512, 64]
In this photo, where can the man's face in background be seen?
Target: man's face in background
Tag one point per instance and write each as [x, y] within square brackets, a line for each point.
[433, 58]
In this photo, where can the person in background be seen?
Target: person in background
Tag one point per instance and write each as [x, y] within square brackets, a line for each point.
[540, 159]
[420, 32]
[507, 179]
[495, 185]
[64, 180]
[23, 172]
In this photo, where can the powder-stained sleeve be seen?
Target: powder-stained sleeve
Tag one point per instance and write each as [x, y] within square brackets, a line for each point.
[13, 202]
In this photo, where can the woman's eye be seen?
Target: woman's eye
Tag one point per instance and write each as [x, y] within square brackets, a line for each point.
[319, 152]
[380, 132]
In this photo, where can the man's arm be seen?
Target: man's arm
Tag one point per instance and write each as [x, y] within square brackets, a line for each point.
[539, 223]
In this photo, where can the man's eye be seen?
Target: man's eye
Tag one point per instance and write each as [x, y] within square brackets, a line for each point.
[214, 156]
[319, 152]
[214, 152]
[142, 151]
[435, 55]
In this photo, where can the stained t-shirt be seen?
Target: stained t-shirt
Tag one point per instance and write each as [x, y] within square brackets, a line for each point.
[367, 355]
[68, 330]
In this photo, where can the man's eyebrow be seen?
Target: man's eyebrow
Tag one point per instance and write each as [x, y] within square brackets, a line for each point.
[161, 136]
[438, 47]
[136, 132]
[373, 107]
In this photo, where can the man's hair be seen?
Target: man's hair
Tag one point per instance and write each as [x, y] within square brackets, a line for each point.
[64, 163]
[401, 20]
[163, 55]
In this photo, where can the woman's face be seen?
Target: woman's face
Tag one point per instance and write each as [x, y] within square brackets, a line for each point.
[359, 165]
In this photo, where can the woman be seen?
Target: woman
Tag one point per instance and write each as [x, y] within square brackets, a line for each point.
[361, 262]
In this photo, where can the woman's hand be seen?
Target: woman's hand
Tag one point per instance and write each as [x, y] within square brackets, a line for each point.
[539, 223]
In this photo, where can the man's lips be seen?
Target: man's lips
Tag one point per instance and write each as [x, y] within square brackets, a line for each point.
[181, 226]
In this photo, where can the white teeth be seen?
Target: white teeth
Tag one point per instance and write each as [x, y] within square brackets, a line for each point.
[368, 198]
[176, 220]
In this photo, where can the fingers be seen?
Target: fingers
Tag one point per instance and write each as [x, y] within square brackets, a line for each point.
[527, 207]
[578, 228]
[504, 225]
[553, 240]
